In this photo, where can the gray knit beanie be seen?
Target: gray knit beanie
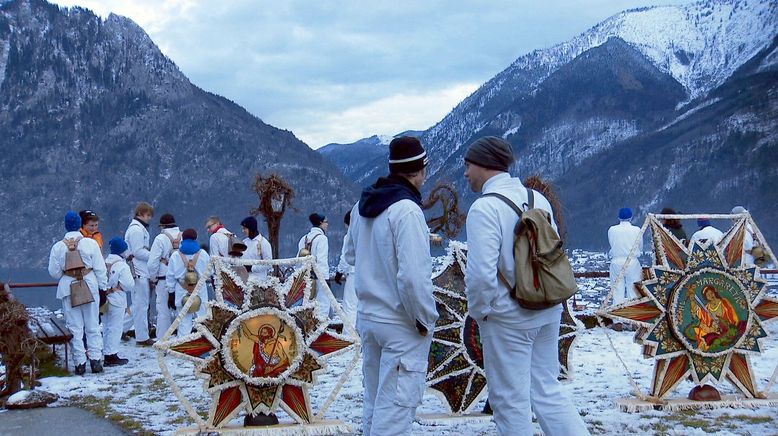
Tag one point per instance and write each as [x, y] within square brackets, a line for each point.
[490, 152]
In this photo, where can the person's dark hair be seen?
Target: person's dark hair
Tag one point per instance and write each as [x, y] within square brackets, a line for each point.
[549, 191]
[669, 222]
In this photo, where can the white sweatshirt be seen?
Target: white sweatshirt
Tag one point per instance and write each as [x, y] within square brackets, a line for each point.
[161, 248]
[92, 257]
[320, 248]
[138, 239]
[490, 224]
[391, 258]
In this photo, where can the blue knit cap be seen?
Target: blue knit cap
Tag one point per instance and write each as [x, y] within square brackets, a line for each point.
[625, 213]
[703, 222]
[117, 245]
[189, 246]
[72, 221]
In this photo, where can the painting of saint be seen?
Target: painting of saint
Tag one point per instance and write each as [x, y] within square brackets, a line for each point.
[270, 356]
[715, 323]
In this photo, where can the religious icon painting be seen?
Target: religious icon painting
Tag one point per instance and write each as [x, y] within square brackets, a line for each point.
[260, 347]
[700, 313]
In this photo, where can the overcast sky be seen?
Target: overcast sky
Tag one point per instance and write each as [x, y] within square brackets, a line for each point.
[338, 71]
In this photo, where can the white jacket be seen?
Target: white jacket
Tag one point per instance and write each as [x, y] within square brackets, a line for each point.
[343, 266]
[490, 224]
[92, 257]
[162, 248]
[177, 268]
[138, 239]
[391, 257]
[258, 248]
[120, 277]
[320, 248]
[219, 243]
[709, 234]
[621, 238]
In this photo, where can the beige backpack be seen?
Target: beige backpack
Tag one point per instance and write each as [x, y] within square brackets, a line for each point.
[544, 276]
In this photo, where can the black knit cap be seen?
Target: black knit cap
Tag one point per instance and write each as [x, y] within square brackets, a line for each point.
[316, 219]
[250, 223]
[189, 234]
[490, 152]
[406, 155]
[167, 220]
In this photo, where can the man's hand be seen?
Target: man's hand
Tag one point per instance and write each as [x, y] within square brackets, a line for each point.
[171, 301]
[339, 278]
[420, 327]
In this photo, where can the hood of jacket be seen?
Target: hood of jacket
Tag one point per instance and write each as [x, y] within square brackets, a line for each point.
[385, 192]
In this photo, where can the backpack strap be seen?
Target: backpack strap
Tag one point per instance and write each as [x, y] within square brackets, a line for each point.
[512, 205]
[74, 241]
[530, 198]
[183, 258]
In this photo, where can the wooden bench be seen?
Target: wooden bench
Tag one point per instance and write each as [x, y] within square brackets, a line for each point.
[52, 331]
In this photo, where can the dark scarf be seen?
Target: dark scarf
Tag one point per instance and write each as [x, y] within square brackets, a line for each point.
[144, 224]
[385, 192]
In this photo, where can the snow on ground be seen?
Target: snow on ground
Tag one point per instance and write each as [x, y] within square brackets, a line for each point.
[138, 390]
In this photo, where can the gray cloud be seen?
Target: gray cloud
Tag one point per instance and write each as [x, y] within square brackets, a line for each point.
[300, 65]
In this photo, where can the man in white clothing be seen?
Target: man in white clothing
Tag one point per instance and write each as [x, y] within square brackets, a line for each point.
[257, 248]
[388, 244]
[120, 282]
[83, 318]
[346, 271]
[190, 251]
[137, 238]
[520, 345]
[164, 245]
[317, 243]
[621, 238]
[219, 241]
[707, 233]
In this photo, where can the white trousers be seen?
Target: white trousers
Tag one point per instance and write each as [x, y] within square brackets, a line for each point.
[140, 308]
[113, 323]
[350, 299]
[81, 319]
[185, 326]
[322, 296]
[165, 316]
[522, 366]
[625, 288]
[394, 369]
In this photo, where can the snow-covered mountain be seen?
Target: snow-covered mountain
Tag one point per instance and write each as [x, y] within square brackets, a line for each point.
[94, 116]
[660, 72]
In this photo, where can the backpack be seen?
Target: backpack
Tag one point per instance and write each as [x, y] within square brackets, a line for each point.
[307, 246]
[175, 242]
[191, 276]
[74, 263]
[235, 246]
[544, 276]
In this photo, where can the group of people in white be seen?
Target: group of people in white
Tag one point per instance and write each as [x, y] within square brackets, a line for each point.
[625, 238]
[139, 269]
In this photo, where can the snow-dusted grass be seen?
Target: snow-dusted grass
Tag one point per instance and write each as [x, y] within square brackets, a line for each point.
[137, 396]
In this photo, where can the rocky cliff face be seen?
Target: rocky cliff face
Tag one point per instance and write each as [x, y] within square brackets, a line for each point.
[663, 106]
[93, 115]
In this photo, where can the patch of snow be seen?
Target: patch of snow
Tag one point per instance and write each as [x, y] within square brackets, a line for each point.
[19, 397]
